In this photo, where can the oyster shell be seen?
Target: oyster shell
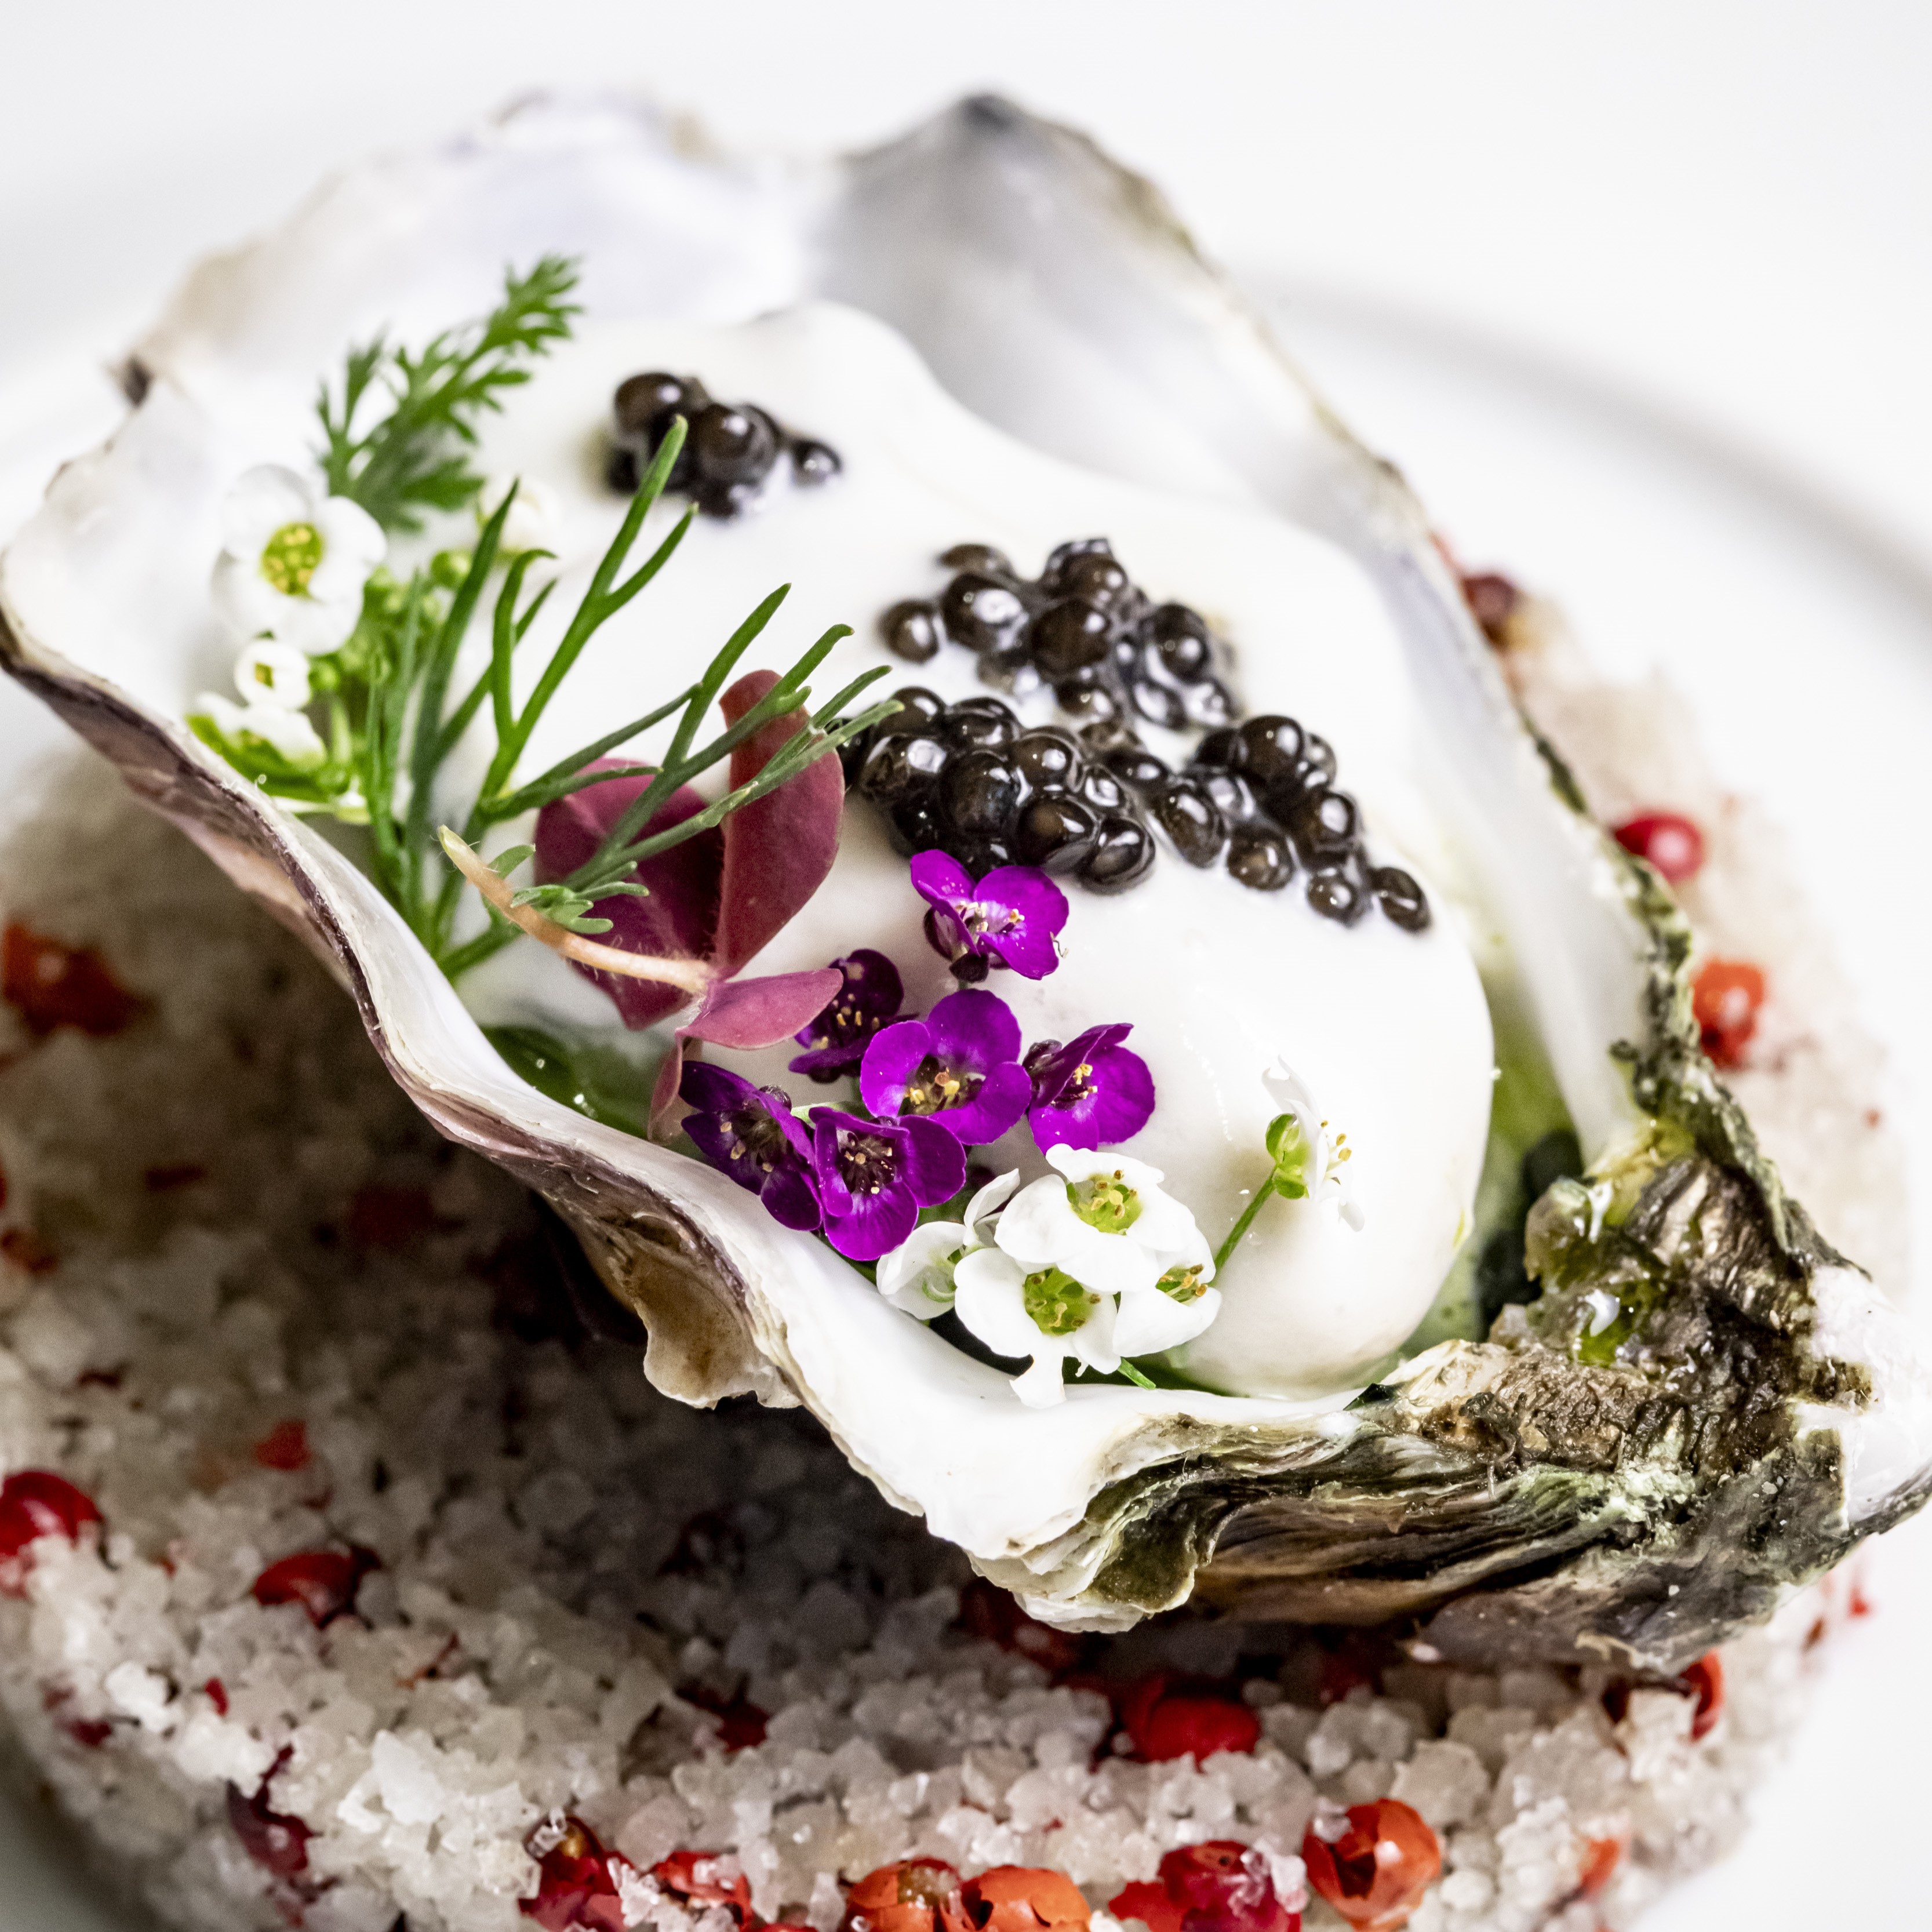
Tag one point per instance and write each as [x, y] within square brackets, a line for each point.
[1758, 1413]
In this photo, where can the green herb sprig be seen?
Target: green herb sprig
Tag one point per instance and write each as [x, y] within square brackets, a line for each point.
[392, 716]
[416, 456]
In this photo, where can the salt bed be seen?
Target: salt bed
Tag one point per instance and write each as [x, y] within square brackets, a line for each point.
[253, 1310]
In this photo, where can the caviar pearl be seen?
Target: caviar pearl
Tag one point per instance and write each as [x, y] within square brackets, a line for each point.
[730, 449]
[1261, 859]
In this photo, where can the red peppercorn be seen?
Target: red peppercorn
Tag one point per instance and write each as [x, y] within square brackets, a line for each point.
[1670, 840]
[276, 1842]
[741, 1723]
[285, 1447]
[324, 1582]
[575, 1886]
[697, 1878]
[28, 1252]
[1163, 1722]
[35, 1503]
[1023, 1898]
[1601, 1857]
[1493, 599]
[50, 985]
[1375, 1873]
[909, 1895]
[990, 1614]
[389, 1218]
[1725, 997]
[171, 1176]
[1704, 1680]
[1221, 1886]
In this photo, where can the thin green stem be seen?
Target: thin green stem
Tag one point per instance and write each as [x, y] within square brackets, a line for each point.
[1241, 1226]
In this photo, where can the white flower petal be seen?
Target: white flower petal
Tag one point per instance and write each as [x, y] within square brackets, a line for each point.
[315, 626]
[1041, 1386]
[1078, 1164]
[990, 1200]
[534, 521]
[248, 604]
[288, 731]
[1039, 1225]
[352, 544]
[1109, 1264]
[271, 672]
[1150, 1323]
[987, 1297]
[259, 502]
[224, 712]
[916, 1276]
[1094, 1342]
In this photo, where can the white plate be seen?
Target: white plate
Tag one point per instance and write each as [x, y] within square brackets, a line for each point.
[1806, 645]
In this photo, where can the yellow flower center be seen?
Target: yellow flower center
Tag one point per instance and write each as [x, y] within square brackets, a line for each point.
[1057, 1303]
[290, 557]
[1184, 1284]
[1105, 1201]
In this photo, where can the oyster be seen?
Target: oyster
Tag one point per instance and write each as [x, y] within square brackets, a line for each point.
[1706, 1405]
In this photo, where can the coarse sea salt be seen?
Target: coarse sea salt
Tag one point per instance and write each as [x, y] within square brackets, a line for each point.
[578, 1577]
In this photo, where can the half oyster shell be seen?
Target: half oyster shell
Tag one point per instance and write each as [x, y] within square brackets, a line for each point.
[1762, 1413]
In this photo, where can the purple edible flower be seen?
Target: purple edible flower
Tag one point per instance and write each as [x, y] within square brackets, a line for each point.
[874, 1176]
[869, 1000]
[960, 1065]
[751, 1133]
[1091, 1093]
[1008, 919]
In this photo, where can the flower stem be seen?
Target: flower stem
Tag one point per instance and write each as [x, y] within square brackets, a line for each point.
[1240, 1228]
[692, 975]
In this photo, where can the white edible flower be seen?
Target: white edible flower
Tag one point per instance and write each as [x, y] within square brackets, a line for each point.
[294, 560]
[1326, 1170]
[269, 672]
[1095, 1263]
[1106, 1222]
[288, 733]
[535, 518]
[1043, 1314]
[917, 1277]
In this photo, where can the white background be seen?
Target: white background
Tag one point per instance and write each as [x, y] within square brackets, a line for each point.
[1707, 217]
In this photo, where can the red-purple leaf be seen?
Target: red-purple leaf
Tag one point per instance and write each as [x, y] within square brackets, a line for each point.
[720, 894]
[746, 1013]
[680, 916]
[777, 851]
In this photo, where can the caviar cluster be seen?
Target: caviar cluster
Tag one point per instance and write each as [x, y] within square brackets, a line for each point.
[1107, 649]
[729, 453]
[971, 780]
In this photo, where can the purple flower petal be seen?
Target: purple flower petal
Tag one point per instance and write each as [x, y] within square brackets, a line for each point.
[1032, 911]
[933, 1165]
[868, 999]
[958, 1066]
[875, 1225]
[752, 1136]
[891, 1063]
[1091, 1093]
[1009, 918]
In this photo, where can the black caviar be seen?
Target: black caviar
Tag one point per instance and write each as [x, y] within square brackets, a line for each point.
[730, 450]
[1257, 796]
[971, 779]
[1106, 648]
